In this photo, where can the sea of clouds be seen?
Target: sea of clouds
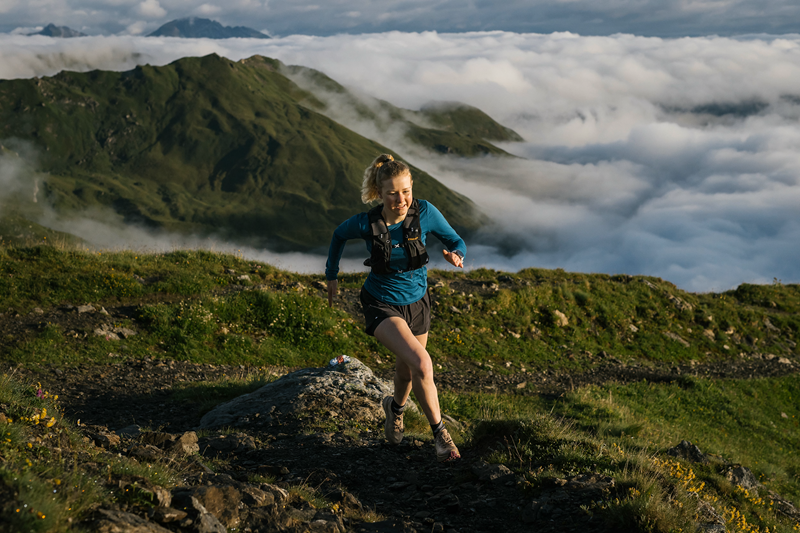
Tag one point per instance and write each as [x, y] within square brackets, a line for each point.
[677, 158]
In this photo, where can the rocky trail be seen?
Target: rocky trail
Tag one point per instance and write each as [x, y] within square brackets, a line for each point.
[129, 407]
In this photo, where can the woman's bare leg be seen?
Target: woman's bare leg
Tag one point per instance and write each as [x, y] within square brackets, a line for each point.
[413, 368]
[402, 375]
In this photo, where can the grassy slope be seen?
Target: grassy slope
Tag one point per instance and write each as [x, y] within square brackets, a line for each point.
[200, 144]
[617, 430]
[446, 127]
[626, 316]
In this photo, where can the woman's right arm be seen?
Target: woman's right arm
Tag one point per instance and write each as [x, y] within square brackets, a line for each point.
[352, 228]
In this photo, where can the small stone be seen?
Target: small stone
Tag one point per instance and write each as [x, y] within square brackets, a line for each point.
[85, 309]
[743, 477]
[124, 332]
[487, 472]
[244, 277]
[677, 338]
[106, 440]
[278, 493]
[165, 515]
[38, 310]
[561, 319]
[689, 452]
[522, 385]
[129, 431]
[710, 334]
[784, 361]
[784, 415]
[186, 444]
[110, 521]
[275, 471]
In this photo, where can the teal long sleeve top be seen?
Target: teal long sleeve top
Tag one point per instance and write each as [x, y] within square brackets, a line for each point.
[397, 288]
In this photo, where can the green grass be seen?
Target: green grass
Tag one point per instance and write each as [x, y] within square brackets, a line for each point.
[741, 420]
[189, 312]
[623, 431]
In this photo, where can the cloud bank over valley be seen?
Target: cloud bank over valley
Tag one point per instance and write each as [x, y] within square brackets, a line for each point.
[678, 158]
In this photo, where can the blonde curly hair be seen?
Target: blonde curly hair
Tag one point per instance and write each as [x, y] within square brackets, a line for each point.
[383, 168]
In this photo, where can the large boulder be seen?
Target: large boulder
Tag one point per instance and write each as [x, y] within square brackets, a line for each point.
[348, 390]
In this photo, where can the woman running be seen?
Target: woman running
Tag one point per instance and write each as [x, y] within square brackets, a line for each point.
[397, 307]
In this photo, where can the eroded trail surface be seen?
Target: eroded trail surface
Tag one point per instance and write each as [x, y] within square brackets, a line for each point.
[403, 483]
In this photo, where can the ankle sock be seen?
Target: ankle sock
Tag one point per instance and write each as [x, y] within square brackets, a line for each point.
[397, 409]
[436, 428]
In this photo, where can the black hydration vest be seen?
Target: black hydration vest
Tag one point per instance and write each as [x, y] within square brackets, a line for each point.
[382, 241]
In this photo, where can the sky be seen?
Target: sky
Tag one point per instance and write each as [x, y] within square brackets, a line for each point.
[661, 18]
[672, 157]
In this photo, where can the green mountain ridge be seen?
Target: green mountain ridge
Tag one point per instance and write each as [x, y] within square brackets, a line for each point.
[205, 145]
[445, 127]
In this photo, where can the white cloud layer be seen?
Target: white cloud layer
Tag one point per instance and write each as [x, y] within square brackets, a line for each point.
[669, 157]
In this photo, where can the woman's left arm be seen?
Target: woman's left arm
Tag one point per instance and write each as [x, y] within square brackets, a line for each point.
[456, 249]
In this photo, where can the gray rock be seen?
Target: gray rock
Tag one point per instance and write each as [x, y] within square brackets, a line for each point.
[110, 521]
[783, 507]
[280, 495]
[113, 334]
[688, 452]
[742, 476]
[185, 444]
[201, 519]
[676, 338]
[165, 515]
[85, 309]
[129, 431]
[593, 482]
[106, 439]
[224, 444]
[486, 472]
[222, 501]
[255, 497]
[148, 452]
[352, 387]
[560, 319]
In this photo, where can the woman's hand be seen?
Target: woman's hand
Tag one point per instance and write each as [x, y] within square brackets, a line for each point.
[333, 290]
[453, 258]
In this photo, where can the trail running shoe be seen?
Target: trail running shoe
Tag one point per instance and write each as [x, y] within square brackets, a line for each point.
[445, 447]
[393, 428]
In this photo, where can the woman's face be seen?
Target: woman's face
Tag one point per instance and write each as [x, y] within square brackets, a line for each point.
[396, 195]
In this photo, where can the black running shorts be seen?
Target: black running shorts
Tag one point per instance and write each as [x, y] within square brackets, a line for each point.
[417, 315]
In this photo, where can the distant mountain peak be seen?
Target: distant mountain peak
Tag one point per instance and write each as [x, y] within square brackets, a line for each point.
[51, 30]
[195, 27]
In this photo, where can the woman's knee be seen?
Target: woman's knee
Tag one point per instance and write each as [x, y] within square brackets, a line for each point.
[422, 367]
